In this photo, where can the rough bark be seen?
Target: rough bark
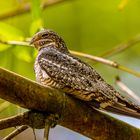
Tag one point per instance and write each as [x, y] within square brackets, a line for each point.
[75, 114]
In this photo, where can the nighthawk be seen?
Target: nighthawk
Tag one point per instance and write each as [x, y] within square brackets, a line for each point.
[56, 67]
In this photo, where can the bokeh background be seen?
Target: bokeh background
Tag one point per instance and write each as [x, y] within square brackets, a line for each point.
[92, 27]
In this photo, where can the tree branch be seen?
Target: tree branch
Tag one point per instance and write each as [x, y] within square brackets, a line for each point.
[84, 55]
[121, 47]
[75, 114]
[15, 132]
[33, 119]
[26, 8]
[127, 91]
[106, 62]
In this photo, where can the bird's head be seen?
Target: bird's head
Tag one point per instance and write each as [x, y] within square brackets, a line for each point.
[48, 38]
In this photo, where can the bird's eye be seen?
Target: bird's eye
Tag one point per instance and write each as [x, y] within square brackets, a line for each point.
[44, 35]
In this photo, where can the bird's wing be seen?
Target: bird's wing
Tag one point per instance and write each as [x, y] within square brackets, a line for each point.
[80, 80]
[71, 74]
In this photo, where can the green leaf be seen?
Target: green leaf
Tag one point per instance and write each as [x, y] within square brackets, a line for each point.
[22, 53]
[8, 32]
[35, 26]
[36, 9]
[4, 47]
[37, 22]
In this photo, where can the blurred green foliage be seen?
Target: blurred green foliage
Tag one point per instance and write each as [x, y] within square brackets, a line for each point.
[88, 26]
[92, 27]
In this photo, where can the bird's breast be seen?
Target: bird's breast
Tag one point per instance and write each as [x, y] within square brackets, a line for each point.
[41, 75]
[43, 78]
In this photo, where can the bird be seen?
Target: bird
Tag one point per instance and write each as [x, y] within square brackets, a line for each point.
[56, 67]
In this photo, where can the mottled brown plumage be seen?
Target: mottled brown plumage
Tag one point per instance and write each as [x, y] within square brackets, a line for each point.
[57, 68]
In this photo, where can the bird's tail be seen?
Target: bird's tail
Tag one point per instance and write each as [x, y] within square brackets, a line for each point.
[122, 106]
[127, 110]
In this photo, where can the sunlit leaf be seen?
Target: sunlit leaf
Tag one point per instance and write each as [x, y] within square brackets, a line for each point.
[122, 4]
[37, 22]
[3, 47]
[36, 9]
[35, 26]
[8, 32]
[22, 54]
[35, 52]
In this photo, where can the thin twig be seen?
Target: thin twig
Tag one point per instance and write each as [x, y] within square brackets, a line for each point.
[22, 43]
[13, 121]
[106, 62]
[47, 129]
[128, 91]
[50, 121]
[34, 119]
[34, 134]
[84, 55]
[15, 132]
[121, 47]
[26, 8]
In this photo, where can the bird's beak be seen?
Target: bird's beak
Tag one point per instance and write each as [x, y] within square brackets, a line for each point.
[33, 40]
